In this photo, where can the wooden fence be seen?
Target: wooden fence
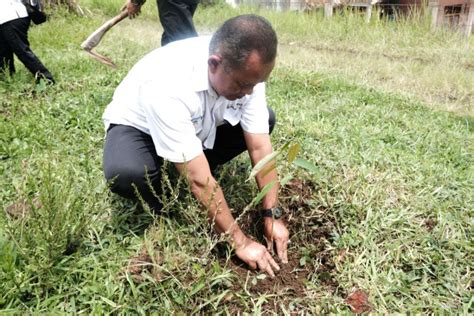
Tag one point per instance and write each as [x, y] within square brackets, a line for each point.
[455, 14]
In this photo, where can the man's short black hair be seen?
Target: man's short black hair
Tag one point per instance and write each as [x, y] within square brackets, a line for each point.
[239, 36]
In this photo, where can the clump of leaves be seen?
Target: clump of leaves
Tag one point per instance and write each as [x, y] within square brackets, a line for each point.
[268, 163]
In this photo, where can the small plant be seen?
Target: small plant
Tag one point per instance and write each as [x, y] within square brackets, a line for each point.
[268, 163]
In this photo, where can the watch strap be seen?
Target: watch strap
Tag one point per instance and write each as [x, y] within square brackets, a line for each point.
[274, 212]
[267, 212]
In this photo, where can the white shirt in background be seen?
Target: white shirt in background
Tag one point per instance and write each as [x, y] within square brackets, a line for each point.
[11, 10]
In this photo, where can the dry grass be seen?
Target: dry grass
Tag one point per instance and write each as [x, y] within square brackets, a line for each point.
[443, 84]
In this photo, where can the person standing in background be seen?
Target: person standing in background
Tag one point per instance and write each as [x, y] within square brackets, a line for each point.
[176, 17]
[14, 25]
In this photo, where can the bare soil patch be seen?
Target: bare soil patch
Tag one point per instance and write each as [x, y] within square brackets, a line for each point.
[311, 260]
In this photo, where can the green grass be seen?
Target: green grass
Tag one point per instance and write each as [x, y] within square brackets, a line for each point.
[393, 154]
[390, 165]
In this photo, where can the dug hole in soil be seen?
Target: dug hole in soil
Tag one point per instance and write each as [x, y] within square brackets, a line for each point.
[310, 260]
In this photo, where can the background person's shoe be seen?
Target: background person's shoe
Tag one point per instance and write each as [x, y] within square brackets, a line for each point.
[46, 77]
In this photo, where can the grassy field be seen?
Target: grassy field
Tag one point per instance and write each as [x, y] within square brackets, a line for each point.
[384, 110]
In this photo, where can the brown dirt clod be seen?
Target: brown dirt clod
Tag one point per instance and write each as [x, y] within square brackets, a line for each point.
[430, 223]
[358, 301]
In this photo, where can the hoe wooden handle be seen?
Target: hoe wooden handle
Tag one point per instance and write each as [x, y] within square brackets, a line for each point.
[94, 39]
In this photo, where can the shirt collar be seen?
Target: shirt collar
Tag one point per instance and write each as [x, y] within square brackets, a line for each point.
[200, 76]
[201, 80]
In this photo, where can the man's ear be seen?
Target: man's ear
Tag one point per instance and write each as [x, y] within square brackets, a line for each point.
[213, 61]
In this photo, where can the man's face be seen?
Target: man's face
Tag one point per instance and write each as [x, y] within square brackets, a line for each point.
[235, 84]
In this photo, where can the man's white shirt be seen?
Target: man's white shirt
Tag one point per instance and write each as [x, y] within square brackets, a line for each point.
[167, 95]
[11, 10]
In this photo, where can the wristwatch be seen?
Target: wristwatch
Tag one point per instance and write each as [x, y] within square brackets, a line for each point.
[274, 212]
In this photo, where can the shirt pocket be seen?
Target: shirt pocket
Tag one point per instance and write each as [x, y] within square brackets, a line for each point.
[233, 114]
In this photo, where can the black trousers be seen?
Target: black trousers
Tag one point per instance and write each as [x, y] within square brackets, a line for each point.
[176, 17]
[14, 40]
[130, 160]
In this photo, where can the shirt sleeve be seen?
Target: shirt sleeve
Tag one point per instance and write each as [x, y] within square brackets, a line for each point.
[170, 125]
[255, 115]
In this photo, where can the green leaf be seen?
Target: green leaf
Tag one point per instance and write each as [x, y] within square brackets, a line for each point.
[293, 151]
[302, 261]
[269, 168]
[113, 304]
[197, 288]
[262, 193]
[254, 281]
[262, 163]
[306, 165]
[40, 86]
[285, 180]
[261, 276]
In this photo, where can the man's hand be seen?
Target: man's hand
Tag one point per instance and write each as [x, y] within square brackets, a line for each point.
[276, 232]
[132, 9]
[256, 255]
[210, 195]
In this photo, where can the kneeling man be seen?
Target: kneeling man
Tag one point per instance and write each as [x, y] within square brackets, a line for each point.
[199, 103]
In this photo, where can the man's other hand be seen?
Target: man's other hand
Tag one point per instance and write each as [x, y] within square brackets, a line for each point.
[276, 232]
[132, 9]
[256, 256]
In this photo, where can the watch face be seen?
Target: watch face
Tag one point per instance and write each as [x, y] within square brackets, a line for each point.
[277, 212]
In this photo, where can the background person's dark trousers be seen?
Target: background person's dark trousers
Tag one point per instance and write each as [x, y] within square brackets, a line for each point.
[14, 40]
[130, 157]
[176, 17]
